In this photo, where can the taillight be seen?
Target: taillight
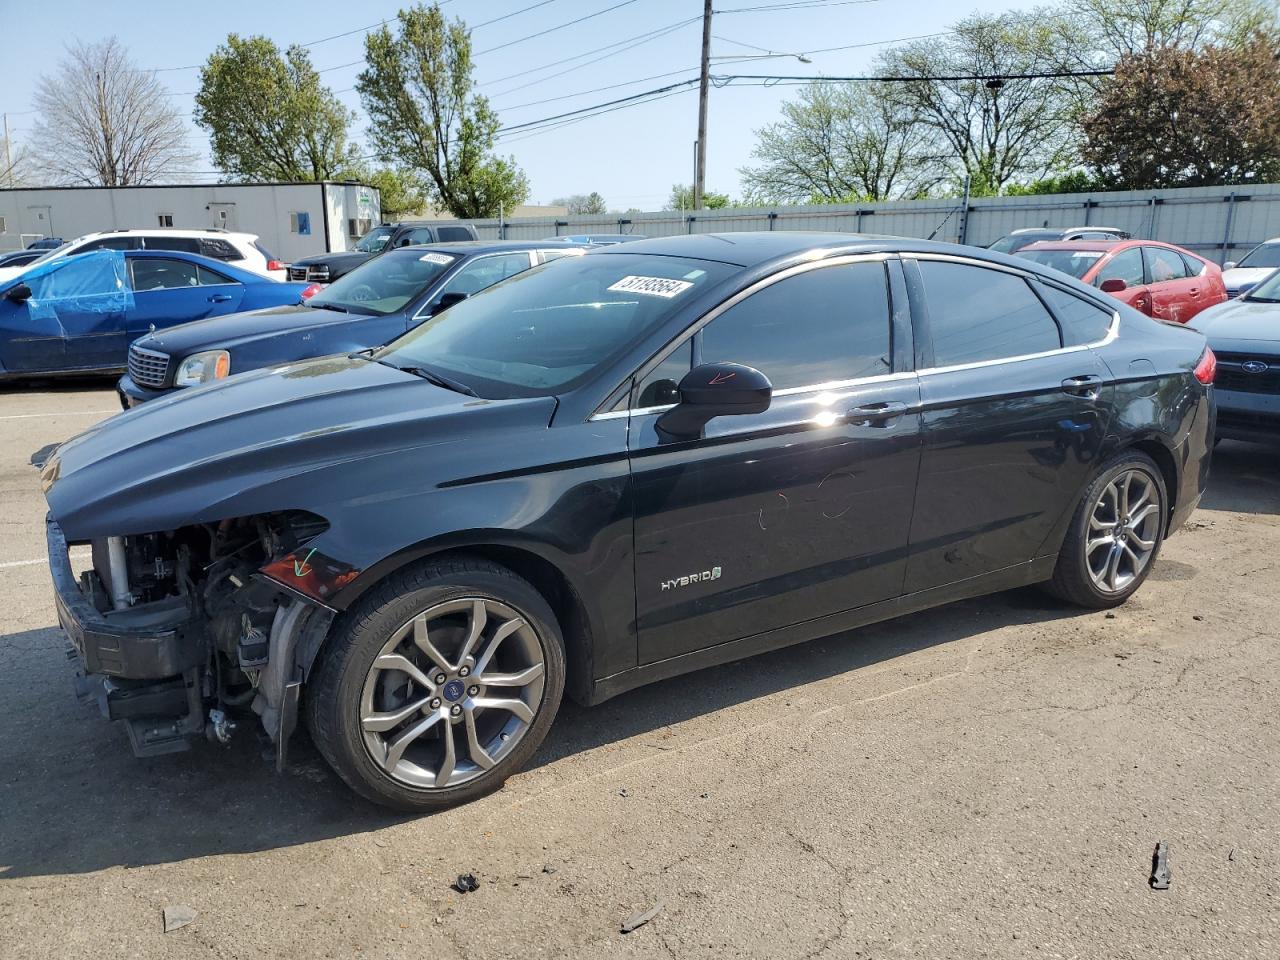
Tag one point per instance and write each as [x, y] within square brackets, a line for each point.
[1207, 368]
[311, 290]
[276, 264]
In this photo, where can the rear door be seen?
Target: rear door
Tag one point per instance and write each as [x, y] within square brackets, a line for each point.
[168, 292]
[1175, 292]
[1013, 421]
[792, 514]
[1127, 265]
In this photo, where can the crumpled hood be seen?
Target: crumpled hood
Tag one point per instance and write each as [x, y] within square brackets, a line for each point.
[1238, 320]
[237, 329]
[305, 436]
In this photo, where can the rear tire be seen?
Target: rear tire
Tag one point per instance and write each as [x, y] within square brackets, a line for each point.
[438, 685]
[1115, 534]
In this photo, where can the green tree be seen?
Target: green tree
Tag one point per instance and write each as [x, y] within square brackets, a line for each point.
[1076, 181]
[269, 117]
[426, 116]
[841, 143]
[402, 192]
[682, 199]
[1186, 118]
[580, 203]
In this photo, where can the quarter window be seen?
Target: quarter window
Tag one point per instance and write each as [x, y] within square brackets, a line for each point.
[977, 314]
[819, 326]
[1082, 322]
[1125, 265]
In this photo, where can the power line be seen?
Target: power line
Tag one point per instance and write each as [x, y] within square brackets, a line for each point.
[508, 16]
[560, 26]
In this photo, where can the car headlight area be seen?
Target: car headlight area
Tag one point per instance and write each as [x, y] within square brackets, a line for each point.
[203, 368]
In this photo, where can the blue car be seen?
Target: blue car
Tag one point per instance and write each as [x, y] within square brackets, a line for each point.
[79, 314]
[378, 301]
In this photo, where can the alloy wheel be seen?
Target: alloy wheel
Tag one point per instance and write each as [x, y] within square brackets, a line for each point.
[452, 692]
[1124, 528]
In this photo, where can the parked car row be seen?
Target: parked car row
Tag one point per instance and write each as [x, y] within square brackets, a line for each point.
[592, 473]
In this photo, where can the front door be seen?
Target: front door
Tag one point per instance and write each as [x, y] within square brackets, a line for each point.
[795, 513]
[1127, 265]
[76, 314]
[169, 292]
[1012, 426]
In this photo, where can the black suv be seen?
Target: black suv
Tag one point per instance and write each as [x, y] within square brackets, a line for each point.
[608, 470]
[328, 267]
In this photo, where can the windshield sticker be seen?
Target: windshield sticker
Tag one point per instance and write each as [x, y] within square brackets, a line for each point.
[651, 286]
[437, 258]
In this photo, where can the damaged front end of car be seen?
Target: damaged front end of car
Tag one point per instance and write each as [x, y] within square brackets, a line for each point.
[178, 631]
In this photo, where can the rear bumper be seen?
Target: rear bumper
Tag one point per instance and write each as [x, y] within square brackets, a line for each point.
[151, 641]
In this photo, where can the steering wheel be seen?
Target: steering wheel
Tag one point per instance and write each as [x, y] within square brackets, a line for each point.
[363, 293]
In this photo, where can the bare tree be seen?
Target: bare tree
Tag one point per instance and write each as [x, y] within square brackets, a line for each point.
[15, 163]
[104, 122]
[840, 143]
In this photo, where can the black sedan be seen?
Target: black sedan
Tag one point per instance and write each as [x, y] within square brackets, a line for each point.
[376, 302]
[653, 458]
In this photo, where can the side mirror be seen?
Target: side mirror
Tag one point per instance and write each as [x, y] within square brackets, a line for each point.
[19, 294]
[715, 390]
[1114, 285]
[447, 301]
[1229, 265]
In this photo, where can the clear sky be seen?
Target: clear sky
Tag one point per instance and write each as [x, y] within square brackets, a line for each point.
[631, 156]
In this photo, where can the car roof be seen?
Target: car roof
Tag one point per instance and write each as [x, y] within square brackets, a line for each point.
[168, 231]
[1093, 245]
[469, 248]
[749, 249]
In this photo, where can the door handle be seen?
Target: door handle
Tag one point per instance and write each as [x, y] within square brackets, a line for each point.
[1194, 291]
[1085, 385]
[220, 298]
[877, 414]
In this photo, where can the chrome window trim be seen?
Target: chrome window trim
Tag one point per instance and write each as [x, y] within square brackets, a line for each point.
[817, 262]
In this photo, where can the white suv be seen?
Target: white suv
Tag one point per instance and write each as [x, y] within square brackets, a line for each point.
[242, 249]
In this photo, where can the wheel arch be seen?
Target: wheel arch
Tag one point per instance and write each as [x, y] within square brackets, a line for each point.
[542, 572]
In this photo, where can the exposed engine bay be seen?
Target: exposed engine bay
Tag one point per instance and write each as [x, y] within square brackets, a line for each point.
[187, 627]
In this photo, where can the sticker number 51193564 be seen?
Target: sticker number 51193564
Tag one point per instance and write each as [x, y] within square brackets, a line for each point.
[651, 286]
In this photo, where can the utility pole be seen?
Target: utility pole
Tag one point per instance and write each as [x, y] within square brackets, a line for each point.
[700, 172]
[8, 154]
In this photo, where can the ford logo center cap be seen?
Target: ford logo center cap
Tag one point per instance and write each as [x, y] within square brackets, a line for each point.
[453, 690]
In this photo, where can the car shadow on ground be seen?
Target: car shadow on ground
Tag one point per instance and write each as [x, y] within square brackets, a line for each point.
[67, 385]
[74, 800]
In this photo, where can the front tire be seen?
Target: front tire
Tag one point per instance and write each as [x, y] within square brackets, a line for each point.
[1115, 534]
[438, 685]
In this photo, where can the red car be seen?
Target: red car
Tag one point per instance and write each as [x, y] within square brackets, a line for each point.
[1161, 280]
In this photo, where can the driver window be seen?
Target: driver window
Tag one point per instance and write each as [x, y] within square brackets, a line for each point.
[155, 274]
[1125, 265]
[485, 272]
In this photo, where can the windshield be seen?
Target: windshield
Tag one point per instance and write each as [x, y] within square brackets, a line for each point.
[374, 240]
[1073, 262]
[385, 284]
[1266, 255]
[546, 329]
[55, 252]
[1268, 290]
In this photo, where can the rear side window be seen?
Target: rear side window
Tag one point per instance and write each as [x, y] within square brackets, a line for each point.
[218, 249]
[182, 244]
[156, 274]
[418, 235]
[1082, 322]
[819, 326]
[454, 234]
[977, 314]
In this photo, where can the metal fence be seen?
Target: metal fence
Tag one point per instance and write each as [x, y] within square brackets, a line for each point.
[1219, 223]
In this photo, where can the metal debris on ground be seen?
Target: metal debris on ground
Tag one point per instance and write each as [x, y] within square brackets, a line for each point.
[466, 883]
[177, 916]
[1160, 875]
[548, 869]
[641, 917]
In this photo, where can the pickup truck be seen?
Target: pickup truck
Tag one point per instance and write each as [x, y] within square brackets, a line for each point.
[328, 267]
